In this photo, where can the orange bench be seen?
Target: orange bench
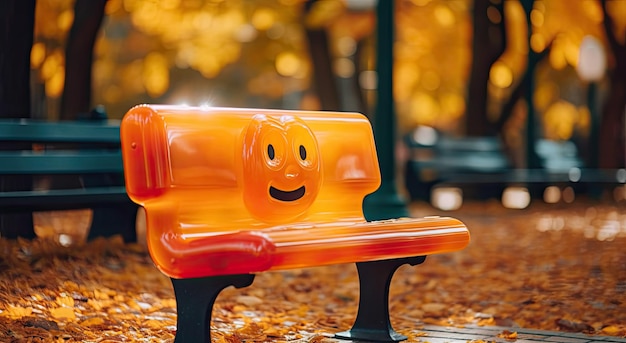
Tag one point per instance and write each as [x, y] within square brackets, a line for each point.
[232, 192]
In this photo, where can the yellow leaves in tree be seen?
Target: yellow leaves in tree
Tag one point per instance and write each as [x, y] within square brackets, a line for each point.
[112, 6]
[156, 74]
[288, 64]
[54, 85]
[322, 13]
[37, 55]
[452, 105]
[538, 42]
[65, 19]
[444, 16]
[617, 7]
[406, 76]
[546, 93]
[263, 18]
[52, 70]
[51, 63]
[424, 109]
[501, 75]
[560, 120]
[356, 25]
[267, 83]
[430, 80]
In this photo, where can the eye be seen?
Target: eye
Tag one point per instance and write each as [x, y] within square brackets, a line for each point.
[302, 152]
[303, 146]
[271, 153]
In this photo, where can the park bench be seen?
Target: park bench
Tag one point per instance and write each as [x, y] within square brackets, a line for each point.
[481, 167]
[441, 159]
[233, 192]
[83, 158]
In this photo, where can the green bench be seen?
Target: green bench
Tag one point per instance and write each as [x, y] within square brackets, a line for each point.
[469, 161]
[83, 163]
[480, 166]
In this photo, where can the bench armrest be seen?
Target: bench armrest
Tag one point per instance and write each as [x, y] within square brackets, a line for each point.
[228, 253]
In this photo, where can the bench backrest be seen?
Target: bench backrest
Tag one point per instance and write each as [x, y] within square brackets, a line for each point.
[558, 155]
[39, 131]
[88, 152]
[74, 147]
[227, 169]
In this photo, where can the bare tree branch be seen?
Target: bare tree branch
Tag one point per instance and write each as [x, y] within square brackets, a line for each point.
[518, 91]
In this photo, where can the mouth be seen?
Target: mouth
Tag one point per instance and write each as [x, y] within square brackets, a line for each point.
[286, 195]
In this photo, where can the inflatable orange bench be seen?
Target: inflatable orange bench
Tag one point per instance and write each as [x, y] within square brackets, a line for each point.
[233, 192]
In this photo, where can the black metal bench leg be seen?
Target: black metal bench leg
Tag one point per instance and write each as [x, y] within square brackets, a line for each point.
[372, 321]
[194, 304]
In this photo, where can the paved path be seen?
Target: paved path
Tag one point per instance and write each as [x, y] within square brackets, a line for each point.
[442, 334]
[495, 334]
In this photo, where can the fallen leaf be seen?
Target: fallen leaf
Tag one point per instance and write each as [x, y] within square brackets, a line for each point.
[612, 330]
[65, 301]
[248, 300]
[92, 321]
[63, 313]
[17, 312]
[508, 335]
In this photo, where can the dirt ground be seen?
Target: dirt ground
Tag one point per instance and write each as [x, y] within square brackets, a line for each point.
[554, 267]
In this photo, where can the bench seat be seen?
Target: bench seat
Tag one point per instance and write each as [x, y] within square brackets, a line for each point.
[301, 246]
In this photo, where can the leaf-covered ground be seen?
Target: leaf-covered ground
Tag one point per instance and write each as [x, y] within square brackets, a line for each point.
[549, 267]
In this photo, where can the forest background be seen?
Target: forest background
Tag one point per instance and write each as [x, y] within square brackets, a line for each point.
[464, 67]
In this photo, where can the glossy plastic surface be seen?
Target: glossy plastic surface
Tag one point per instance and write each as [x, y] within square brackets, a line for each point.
[230, 191]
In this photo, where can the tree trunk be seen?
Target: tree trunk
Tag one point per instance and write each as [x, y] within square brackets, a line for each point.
[485, 53]
[16, 39]
[323, 76]
[88, 15]
[611, 142]
[17, 19]
[611, 137]
[356, 84]
[76, 98]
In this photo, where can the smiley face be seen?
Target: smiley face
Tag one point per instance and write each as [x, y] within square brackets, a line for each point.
[281, 168]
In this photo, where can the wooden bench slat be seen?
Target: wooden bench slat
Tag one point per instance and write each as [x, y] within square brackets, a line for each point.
[524, 176]
[469, 144]
[61, 198]
[61, 132]
[60, 162]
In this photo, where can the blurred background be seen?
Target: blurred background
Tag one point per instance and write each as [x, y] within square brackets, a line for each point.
[265, 53]
[529, 74]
